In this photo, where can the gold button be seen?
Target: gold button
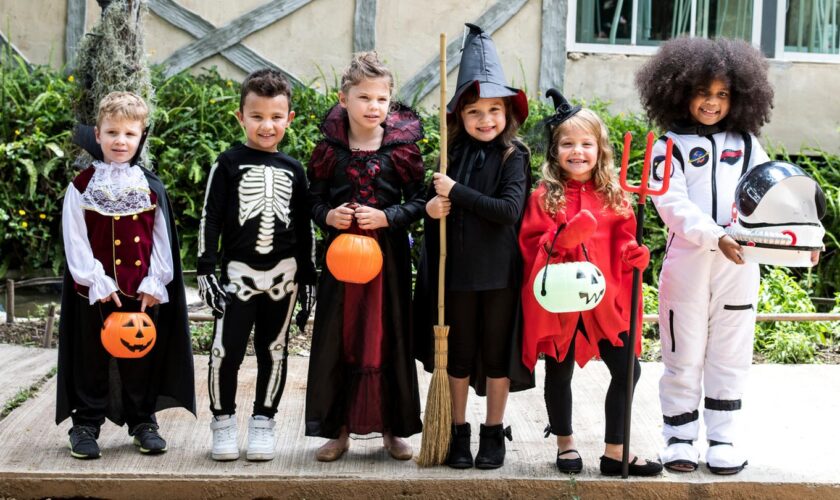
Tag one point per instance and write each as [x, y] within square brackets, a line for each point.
[137, 263]
[134, 217]
[118, 262]
[136, 239]
[117, 242]
[117, 217]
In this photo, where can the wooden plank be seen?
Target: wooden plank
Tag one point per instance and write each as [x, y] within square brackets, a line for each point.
[425, 80]
[74, 30]
[364, 26]
[7, 47]
[553, 45]
[21, 367]
[231, 34]
[241, 56]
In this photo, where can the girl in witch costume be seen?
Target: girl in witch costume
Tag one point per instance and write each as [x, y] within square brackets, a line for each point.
[713, 96]
[366, 177]
[482, 196]
[579, 185]
[122, 254]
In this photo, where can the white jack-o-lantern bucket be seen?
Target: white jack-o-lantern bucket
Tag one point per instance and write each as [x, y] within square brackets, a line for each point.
[569, 287]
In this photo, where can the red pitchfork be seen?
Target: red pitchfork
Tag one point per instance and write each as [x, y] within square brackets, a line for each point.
[643, 191]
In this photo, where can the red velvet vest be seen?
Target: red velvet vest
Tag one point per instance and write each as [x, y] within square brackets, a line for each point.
[123, 244]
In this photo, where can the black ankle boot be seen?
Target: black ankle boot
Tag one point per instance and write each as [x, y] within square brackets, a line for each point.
[491, 446]
[460, 456]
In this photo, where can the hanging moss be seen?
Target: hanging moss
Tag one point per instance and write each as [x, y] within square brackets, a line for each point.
[112, 58]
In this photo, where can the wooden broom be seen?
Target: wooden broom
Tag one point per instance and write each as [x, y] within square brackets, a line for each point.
[437, 420]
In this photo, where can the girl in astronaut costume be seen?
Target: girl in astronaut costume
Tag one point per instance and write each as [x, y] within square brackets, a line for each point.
[707, 292]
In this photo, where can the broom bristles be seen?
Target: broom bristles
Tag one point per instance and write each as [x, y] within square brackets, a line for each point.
[437, 421]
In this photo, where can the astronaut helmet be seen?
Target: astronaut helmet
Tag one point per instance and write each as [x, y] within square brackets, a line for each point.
[776, 215]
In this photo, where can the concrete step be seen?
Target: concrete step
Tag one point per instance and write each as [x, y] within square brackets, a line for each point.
[790, 412]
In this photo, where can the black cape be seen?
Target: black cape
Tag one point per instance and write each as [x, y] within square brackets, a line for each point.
[426, 312]
[172, 359]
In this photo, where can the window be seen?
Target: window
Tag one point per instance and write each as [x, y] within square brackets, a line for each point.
[807, 30]
[639, 26]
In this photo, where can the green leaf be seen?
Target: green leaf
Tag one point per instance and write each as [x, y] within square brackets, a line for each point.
[55, 149]
[32, 172]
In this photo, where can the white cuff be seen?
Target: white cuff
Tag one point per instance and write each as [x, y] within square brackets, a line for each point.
[155, 288]
[717, 233]
[102, 287]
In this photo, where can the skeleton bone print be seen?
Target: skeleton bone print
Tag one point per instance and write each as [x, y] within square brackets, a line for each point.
[265, 192]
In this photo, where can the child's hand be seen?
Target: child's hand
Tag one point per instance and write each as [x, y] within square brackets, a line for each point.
[577, 230]
[815, 257]
[370, 218]
[438, 207]
[111, 297]
[731, 249]
[635, 255]
[341, 216]
[443, 184]
[147, 300]
[212, 294]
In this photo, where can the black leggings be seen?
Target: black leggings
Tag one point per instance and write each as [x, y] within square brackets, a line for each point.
[558, 388]
[481, 324]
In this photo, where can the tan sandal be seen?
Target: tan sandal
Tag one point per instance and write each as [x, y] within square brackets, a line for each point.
[331, 451]
[399, 449]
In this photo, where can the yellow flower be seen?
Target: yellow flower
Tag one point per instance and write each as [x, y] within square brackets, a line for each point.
[24, 224]
[17, 132]
[311, 117]
[425, 141]
[317, 85]
[212, 101]
[42, 216]
[70, 79]
[21, 212]
[229, 83]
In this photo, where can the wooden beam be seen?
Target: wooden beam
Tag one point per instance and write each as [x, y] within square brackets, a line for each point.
[7, 48]
[74, 30]
[230, 34]
[553, 45]
[364, 26]
[419, 85]
[241, 56]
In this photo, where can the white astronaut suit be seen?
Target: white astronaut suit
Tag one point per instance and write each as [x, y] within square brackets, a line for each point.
[707, 304]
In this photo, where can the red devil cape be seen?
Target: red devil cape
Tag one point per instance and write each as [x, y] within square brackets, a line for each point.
[551, 333]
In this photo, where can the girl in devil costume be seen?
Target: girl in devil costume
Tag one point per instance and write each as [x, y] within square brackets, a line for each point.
[579, 186]
[483, 196]
[713, 96]
[366, 176]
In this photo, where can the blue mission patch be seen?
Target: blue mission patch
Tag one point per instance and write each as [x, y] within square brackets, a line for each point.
[698, 157]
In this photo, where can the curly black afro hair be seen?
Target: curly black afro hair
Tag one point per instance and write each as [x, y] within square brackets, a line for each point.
[668, 81]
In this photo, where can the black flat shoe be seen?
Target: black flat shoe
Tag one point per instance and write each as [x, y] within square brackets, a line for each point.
[569, 465]
[611, 467]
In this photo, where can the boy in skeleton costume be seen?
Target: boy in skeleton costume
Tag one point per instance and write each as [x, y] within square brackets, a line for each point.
[713, 96]
[256, 201]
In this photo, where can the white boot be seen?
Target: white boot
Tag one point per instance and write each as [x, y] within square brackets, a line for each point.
[723, 458]
[224, 438]
[260, 438]
[679, 454]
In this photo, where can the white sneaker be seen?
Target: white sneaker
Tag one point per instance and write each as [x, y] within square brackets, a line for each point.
[260, 438]
[224, 438]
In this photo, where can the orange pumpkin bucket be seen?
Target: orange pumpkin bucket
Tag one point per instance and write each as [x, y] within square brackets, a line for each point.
[128, 334]
[354, 258]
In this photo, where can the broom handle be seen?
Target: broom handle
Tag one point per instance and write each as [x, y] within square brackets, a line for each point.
[444, 160]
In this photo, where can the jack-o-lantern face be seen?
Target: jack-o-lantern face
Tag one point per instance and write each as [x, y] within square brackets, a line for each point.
[568, 287]
[128, 334]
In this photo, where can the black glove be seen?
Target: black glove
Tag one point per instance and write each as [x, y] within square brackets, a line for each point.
[306, 299]
[212, 294]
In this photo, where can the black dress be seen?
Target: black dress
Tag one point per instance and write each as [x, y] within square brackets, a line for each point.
[482, 250]
[361, 370]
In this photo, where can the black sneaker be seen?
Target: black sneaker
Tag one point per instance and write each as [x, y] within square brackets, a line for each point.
[83, 442]
[147, 438]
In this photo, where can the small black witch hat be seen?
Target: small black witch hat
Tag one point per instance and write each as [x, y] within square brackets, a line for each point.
[562, 112]
[481, 67]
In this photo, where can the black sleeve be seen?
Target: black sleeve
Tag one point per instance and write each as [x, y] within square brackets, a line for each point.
[504, 208]
[319, 185]
[212, 216]
[304, 237]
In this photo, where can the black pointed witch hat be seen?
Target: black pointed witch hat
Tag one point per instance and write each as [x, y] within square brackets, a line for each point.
[481, 67]
[562, 112]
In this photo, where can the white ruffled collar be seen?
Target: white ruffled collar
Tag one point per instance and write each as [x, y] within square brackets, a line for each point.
[117, 189]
